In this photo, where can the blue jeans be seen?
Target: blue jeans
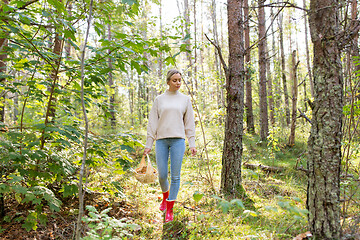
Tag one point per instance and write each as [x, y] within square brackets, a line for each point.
[176, 148]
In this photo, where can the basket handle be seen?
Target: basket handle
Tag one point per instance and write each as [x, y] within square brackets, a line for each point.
[149, 168]
[142, 162]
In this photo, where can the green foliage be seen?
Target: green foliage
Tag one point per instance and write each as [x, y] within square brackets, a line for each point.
[104, 227]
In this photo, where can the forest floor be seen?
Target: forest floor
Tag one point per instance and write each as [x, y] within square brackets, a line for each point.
[272, 208]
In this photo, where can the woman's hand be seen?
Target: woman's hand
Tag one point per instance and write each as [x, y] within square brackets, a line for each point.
[146, 151]
[193, 151]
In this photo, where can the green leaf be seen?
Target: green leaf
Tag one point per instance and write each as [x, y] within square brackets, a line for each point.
[238, 203]
[130, 2]
[197, 196]
[225, 206]
[19, 189]
[57, 4]
[30, 222]
[15, 179]
[70, 190]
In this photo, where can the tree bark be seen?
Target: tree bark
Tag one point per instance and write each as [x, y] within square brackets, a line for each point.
[283, 70]
[264, 123]
[294, 65]
[232, 153]
[248, 85]
[324, 144]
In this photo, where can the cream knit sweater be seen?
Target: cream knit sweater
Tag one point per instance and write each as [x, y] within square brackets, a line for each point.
[171, 116]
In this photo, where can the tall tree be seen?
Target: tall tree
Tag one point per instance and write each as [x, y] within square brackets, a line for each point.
[232, 152]
[307, 52]
[3, 56]
[269, 84]
[294, 65]
[283, 71]
[354, 21]
[217, 61]
[264, 123]
[324, 144]
[187, 40]
[248, 86]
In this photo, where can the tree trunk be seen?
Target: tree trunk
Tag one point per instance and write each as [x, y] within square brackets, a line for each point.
[307, 53]
[232, 153]
[57, 50]
[355, 46]
[264, 125]
[294, 98]
[324, 144]
[248, 86]
[216, 56]
[195, 49]
[187, 42]
[160, 60]
[270, 87]
[3, 56]
[283, 71]
[50, 110]
[111, 81]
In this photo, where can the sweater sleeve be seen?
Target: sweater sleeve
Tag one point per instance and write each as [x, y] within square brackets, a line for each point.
[189, 123]
[152, 125]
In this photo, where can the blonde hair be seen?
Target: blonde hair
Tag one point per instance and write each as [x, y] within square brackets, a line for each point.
[170, 73]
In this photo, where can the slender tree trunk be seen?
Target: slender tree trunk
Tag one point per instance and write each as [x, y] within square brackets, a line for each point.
[187, 42]
[294, 98]
[195, 49]
[355, 46]
[160, 60]
[83, 163]
[324, 144]
[57, 50]
[264, 124]
[3, 56]
[283, 70]
[307, 53]
[111, 81]
[275, 53]
[235, 74]
[217, 61]
[270, 95]
[51, 105]
[248, 86]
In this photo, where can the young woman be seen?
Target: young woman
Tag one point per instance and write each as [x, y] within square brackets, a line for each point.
[171, 119]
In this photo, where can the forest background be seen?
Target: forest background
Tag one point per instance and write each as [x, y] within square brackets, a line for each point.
[77, 80]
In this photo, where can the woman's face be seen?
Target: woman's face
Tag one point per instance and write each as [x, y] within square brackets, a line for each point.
[175, 82]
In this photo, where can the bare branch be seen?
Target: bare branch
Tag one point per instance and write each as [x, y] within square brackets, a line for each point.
[218, 49]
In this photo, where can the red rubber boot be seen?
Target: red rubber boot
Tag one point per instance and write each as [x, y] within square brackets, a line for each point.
[163, 203]
[169, 211]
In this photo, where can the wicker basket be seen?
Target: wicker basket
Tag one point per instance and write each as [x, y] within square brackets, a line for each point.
[146, 173]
